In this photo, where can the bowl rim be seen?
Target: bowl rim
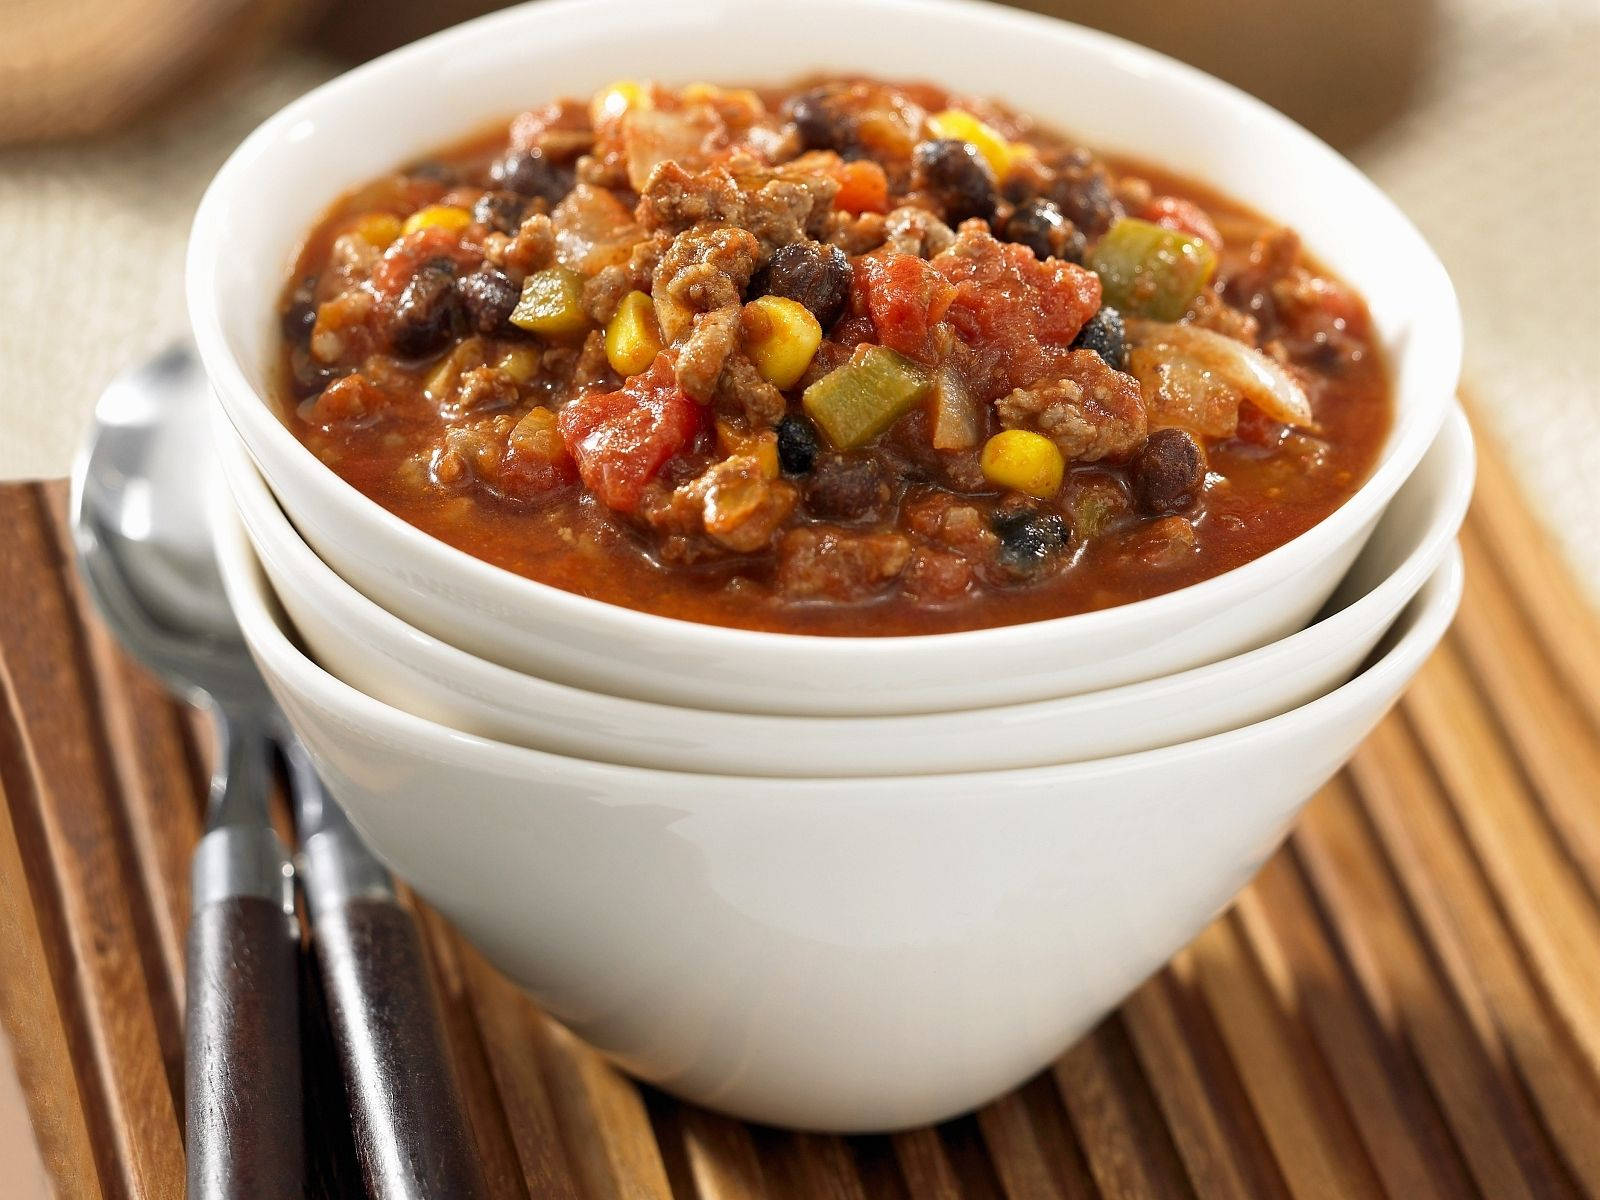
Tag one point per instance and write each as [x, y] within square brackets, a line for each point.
[1429, 614]
[253, 414]
[253, 502]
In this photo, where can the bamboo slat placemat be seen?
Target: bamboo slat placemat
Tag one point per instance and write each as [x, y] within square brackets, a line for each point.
[1405, 1003]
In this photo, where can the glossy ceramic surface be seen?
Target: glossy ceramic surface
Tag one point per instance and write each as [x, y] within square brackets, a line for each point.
[844, 954]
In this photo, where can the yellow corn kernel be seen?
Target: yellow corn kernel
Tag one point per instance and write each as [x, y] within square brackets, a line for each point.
[378, 228]
[438, 216]
[551, 303]
[612, 101]
[632, 339]
[964, 127]
[763, 446]
[1023, 461]
[520, 362]
[780, 336]
[728, 98]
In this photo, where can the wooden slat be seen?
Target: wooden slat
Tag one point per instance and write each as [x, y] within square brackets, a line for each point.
[31, 1013]
[602, 1116]
[485, 1108]
[1309, 1130]
[1492, 1128]
[1472, 947]
[81, 838]
[925, 1166]
[1566, 623]
[1215, 1164]
[1541, 719]
[509, 1041]
[1405, 1003]
[1119, 1126]
[1381, 1094]
[1553, 920]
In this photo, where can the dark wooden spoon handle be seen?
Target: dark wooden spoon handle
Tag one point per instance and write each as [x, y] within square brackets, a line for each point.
[411, 1133]
[243, 1129]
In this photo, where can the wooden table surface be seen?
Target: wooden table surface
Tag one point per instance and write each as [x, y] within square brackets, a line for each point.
[1405, 1003]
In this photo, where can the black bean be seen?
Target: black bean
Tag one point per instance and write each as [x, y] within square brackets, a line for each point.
[1168, 472]
[434, 172]
[427, 314]
[811, 273]
[1028, 539]
[308, 375]
[797, 445]
[845, 487]
[1106, 336]
[820, 122]
[300, 314]
[1086, 199]
[529, 173]
[955, 176]
[1039, 225]
[489, 296]
[501, 210]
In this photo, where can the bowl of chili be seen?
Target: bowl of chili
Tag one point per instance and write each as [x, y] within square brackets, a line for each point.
[625, 530]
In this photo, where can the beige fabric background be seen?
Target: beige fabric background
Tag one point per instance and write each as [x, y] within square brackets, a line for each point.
[1497, 158]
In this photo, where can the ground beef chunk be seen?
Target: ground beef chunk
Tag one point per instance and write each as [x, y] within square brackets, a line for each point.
[675, 199]
[474, 450]
[937, 577]
[741, 389]
[732, 502]
[484, 388]
[776, 209]
[715, 335]
[913, 230]
[530, 249]
[593, 366]
[705, 268]
[781, 211]
[820, 562]
[1089, 410]
[1209, 312]
[855, 233]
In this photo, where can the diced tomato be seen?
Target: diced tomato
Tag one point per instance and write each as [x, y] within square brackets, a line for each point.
[401, 260]
[1257, 428]
[1018, 315]
[1184, 216]
[906, 298]
[863, 187]
[621, 439]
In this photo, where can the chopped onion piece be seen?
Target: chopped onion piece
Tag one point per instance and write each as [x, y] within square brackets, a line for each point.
[1196, 377]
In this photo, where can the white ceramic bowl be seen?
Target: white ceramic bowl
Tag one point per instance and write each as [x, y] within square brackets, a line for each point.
[844, 954]
[1114, 94]
[377, 653]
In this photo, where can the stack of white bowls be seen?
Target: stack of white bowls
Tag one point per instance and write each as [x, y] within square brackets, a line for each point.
[833, 883]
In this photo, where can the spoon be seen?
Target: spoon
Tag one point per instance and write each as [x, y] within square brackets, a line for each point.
[144, 551]
[144, 545]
